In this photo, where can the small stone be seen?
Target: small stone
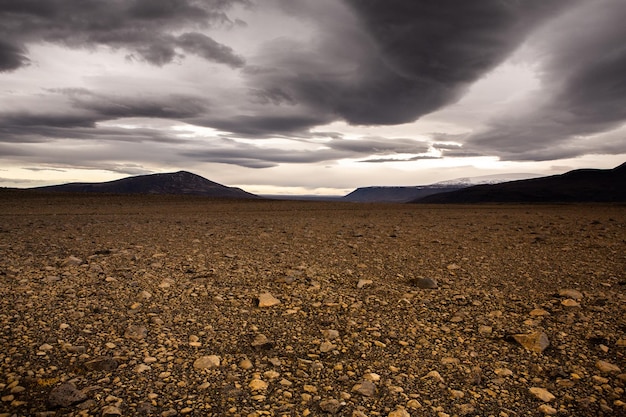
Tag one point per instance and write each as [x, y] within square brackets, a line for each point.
[102, 364]
[271, 375]
[73, 261]
[45, 347]
[327, 347]
[425, 283]
[267, 300]
[331, 406]
[569, 293]
[570, 303]
[485, 330]
[364, 282]
[261, 342]
[207, 362]
[246, 364]
[144, 295]
[433, 375]
[371, 376]
[400, 412]
[365, 388]
[136, 332]
[330, 334]
[542, 393]
[65, 395]
[503, 372]
[141, 368]
[547, 410]
[258, 385]
[539, 312]
[413, 404]
[535, 342]
[111, 411]
[606, 367]
[456, 394]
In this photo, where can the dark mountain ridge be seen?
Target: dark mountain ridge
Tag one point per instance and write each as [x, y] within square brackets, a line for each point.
[181, 182]
[397, 194]
[581, 185]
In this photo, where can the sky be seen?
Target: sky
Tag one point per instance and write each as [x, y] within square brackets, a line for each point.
[309, 97]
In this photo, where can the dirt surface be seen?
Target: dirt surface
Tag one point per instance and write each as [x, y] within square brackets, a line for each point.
[185, 306]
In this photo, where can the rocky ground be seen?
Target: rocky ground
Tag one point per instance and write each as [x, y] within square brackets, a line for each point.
[179, 306]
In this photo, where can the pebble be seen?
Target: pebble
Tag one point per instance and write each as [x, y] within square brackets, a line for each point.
[207, 362]
[106, 364]
[607, 367]
[365, 388]
[261, 342]
[535, 342]
[364, 282]
[267, 300]
[65, 395]
[330, 334]
[246, 364]
[570, 303]
[331, 406]
[547, 410]
[542, 393]
[327, 347]
[569, 293]
[400, 412]
[425, 283]
[111, 411]
[136, 332]
[258, 385]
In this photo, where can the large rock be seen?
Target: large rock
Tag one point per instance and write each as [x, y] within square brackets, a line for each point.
[207, 362]
[425, 283]
[65, 395]
[534, 342]
[267, 300]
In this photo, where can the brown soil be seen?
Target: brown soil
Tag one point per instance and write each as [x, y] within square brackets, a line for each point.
[119, 296]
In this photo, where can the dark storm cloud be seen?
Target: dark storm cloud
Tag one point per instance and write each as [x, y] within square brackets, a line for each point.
[140, 26]
[11, 56]
[584, 90]
[84, 109]
[392, 61]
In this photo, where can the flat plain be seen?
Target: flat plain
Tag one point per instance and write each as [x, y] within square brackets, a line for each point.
[156, 305]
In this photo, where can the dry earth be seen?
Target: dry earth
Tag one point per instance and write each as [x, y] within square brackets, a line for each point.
[150, 306]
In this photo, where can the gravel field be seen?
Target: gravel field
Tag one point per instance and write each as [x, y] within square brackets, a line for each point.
[166, 306]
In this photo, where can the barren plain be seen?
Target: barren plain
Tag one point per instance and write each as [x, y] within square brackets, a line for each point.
[172, 306]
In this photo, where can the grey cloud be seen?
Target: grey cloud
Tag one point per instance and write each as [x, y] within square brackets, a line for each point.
[411, 159]
[202, 45]
[251, 156]
[141, 26]
[584, 89]
[378, 145]
[264, 125]
[85, 109]
[11, 57]
[392, 61]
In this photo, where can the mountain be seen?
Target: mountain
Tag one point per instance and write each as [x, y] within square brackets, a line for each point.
[581, 185]
[181, 182]
[395, 194]
[400, 194]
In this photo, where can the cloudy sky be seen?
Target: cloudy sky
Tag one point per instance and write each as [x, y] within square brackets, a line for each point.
[311, 97]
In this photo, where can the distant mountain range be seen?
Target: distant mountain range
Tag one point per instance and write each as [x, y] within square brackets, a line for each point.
[399, 194]
[581, 185]
[181, 182]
